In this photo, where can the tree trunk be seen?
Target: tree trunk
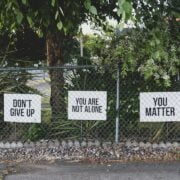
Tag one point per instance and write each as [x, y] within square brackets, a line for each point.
[55, 43]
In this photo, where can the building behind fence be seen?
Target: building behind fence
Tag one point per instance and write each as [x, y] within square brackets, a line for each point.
[122, 116]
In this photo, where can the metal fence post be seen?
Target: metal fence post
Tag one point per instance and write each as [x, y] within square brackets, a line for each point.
[117, 104]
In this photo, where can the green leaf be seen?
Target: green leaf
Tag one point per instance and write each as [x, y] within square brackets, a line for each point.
[24, 2]
[152, 43]
[127, 7]
[93, 10]
[30, 21]
[53, 3]
[9, 5]
[56, 15]
[39, 33]
[59, 25]
[12, 26]
[120, 2]
[157, 54]
[157, 41]
[61, 11]
[19, 17]
[87, 4]
[123, 15]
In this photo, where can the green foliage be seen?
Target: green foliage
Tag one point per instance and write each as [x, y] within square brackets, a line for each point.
[154, 54]
[90, 7]
[125, 9]
[59, 25]
[36, 132]
[58, 15]
[149, 61]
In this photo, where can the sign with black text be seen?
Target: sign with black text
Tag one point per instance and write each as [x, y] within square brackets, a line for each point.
[22, 108]
[87, 105]
[160, 106]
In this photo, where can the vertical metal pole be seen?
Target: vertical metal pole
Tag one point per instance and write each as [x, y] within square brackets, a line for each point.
[117, 105]
[81, 54]
[81, 46]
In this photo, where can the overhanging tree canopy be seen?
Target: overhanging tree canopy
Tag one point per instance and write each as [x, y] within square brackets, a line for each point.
[56, 20]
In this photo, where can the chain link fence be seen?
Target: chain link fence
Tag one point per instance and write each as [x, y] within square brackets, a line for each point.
[53, 84]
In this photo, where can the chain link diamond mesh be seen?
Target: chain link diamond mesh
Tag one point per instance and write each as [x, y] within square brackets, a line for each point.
[53, 85]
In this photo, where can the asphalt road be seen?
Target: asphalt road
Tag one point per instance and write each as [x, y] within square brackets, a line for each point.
[80, 171]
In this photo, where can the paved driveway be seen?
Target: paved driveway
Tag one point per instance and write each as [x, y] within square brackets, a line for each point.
[81, 171]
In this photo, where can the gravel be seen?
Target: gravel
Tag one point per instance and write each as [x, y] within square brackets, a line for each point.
[88, 151]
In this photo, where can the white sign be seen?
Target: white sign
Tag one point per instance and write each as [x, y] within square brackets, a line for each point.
[87, 105]
[24, 108]
[160, 106]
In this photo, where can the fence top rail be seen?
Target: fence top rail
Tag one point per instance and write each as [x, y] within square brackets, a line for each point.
[49, 67]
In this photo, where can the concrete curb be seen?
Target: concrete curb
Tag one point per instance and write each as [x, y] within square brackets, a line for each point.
[76, 143]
